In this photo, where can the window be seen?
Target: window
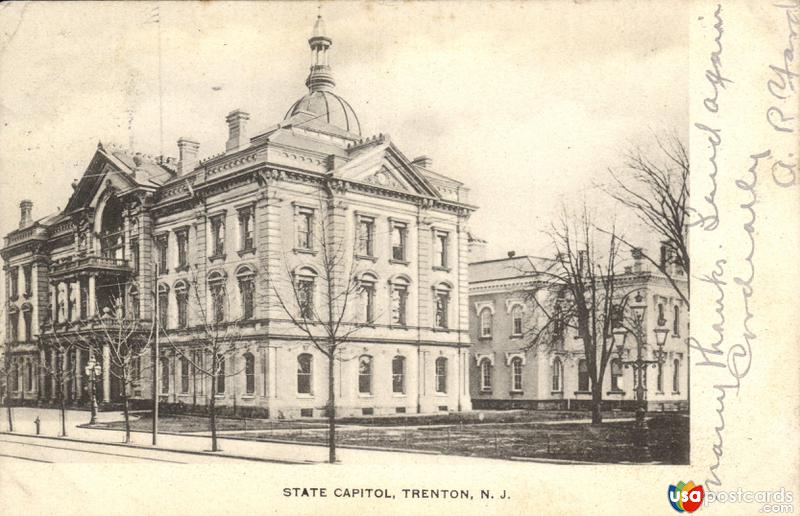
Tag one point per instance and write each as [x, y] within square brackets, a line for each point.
[558, 375]
[27, 273]
[661, 319]
[676, 375]
[246, 278]
[13, 287]
[440, 240]
[220, 374]
[247, 240]
[197, 358]
[516, 374]
[135, 254]
[162, 243]
[216, 285]
[366, 236]
[218, 236]
[616, 375]
[305, 296]
[164, 375]
[304, 371]
[13, 319]
[399, 375]
[399, 303]
[83, 285]
[133, 296]
[29, 374]
[660, 376]
[516, 320]
[249, 373]
[163, 305]
[365, 374]
[27, 318]
[442, 295]
[486, 375]
[182, 239]
[136, 367]
[185, 367]
[486, 323]
[583, 376]
[399, 236]
[676, 321]
[15, 377]
[367, 297]
[304, 228]
[182, 300]
[441, 375]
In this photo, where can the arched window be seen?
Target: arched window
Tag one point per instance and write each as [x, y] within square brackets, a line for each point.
[133, 300]
[676, 372]
[216, 286]
[365, 374]
[676, 321]
[616, 375]
[164, 375]
[583, 376]
[486, 322]
[250, 373]
[441, 375]
[442, 304]
[13, 320]
[304, 290]
[247, 289]
[366, 294]
[399, 288]
[185, 368]
[486, 375]
[516, 374]
[516, 320]
[220, 374]
[558, 375]
[112, 242]
[304, 372]
[182, 300]
[399, 375]
[163, 305]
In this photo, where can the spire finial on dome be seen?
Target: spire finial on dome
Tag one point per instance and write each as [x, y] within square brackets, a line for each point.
[320, 77]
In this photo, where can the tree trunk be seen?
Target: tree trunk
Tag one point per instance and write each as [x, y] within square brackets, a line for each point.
[212, 411]
[597, 403]
[10, 416]
[331, 413]
[127, 417]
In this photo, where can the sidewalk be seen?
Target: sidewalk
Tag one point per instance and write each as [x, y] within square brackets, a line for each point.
[251, 450]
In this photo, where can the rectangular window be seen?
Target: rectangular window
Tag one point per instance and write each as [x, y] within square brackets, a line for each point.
[246, 231]
[399, 236]
[162, 243]
[13, 279]
[440, 243]
[304, 228]
[365, 374]
[27, 273]
[218, 236]
[616, 375]
[304, 374]
[441, 375]
[163, 308]
[583, 376]
[220, 374]
[305, 297]
[182, 239]
[516, 373]
[366, 236]
[486, 376]
[399, 300]
[249, 373]
[184, 375]
[399, 375]
[164, 375]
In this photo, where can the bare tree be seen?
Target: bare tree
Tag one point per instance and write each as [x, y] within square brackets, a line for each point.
[216, 344]
[62, 343]
[128, 342]
[330, 321]
[577, 292]
[655, 186]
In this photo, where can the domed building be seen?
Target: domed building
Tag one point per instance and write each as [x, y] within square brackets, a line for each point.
[250, 263]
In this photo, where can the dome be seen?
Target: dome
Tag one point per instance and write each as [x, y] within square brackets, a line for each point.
[327, 107]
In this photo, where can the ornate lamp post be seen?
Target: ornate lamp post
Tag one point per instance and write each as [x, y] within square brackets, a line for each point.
[93, 371]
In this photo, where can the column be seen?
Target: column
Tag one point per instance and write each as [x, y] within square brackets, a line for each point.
[272, 375]
[106, 373]
[42, 377]
[262, 357]
[53, 375]
[91, 306]
[78, 376]
[65, 374]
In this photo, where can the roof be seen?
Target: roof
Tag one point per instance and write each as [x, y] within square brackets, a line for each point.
[507, 268]
[329, 108]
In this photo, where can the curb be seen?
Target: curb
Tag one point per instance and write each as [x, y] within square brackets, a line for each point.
[159, 448]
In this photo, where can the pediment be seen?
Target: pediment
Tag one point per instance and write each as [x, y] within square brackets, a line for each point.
[101, 175]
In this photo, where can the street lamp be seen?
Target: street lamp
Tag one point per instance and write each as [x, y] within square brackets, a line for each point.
[93, 370]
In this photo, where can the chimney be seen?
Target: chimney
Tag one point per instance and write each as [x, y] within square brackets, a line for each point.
[237, 130]
[636, 254]
[187, 155]
[25, 208]
[422, 161]
[512, 254]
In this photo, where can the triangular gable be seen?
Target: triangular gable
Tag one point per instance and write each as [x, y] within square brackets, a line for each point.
[385, 166]
[101, 168]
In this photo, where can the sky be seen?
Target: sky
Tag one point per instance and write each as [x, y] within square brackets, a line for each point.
[527, 103]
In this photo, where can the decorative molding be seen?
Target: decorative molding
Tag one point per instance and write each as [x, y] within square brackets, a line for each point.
[480, 357]
[512, 302]
[480, 305]
[517, 354]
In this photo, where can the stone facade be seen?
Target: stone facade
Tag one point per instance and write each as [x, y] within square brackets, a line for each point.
[506, 371]
[141, 231]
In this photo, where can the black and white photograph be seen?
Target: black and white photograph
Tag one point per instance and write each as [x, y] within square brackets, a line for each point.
[282, 237]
